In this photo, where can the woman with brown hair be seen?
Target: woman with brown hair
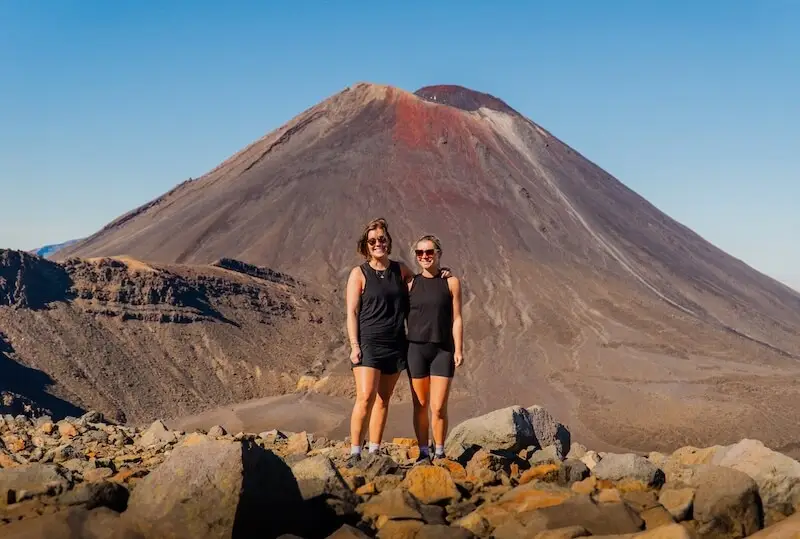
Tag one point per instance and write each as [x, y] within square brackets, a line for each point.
[377, 305]
[435, 343]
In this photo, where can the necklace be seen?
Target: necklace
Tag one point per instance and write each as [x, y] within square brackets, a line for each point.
[380, 273]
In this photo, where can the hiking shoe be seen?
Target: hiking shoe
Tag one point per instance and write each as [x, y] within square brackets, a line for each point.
[381, 451]
[352, 460]
[422, 459]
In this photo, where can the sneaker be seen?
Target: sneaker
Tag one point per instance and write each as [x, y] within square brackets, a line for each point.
[353, 460]
[422, 459]
[381, 451]
[439, 457]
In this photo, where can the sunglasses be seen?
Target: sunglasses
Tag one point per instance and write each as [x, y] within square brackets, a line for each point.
[427, 252]
[380, 239]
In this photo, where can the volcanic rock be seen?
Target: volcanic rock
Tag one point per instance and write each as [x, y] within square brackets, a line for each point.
[231, 485]
[508, 429]
[242, 486]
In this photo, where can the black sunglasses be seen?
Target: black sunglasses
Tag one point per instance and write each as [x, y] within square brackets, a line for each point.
[373, 241]
[420, 252]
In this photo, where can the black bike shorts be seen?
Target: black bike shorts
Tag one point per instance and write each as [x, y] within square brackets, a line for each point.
[430, 359]
[389, 358]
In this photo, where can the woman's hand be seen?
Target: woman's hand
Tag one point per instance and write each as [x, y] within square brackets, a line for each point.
[459, 358]
[445, 273]
[355, 354]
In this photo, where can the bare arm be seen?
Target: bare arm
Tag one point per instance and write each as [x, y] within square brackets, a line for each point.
[406, 273]
[355, 283]
[458, 328]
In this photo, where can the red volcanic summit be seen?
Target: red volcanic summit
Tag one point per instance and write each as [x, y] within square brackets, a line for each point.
[580, 295]
[462, 98]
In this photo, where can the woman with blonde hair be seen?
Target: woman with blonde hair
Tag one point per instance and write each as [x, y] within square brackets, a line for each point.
[435, 343]
[377, 305]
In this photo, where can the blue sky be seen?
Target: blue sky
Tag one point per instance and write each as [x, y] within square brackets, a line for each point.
[106, 105]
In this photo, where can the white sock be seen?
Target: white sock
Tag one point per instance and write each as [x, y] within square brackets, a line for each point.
[373, 447]
[424, 450]
[355, 449]
[439, 450]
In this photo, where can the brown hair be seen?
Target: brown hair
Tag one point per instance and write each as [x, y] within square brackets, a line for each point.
[374, 225]
[428, 237]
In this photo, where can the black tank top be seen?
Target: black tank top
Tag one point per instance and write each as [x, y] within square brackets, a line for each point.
[430, 315]
[384, 305]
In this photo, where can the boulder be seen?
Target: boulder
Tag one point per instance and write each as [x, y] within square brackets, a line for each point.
[323, 489]
[777, 475]
[89, 418]
[31, 480]
[543, 472]
[678, 502]
[392, 505]
[548, 431]
[400, 529]
[616, 467]
[520, 500]
[507, 429]
[217, 431]
[217, 488]
[97, 474]
[573, 471]
[66, 429]
[438, 531]
[489, 467]
[689, 455]
[73, 523]
[656, 517]
[568, 532]
[548, 455]
[431, 485]
[726, 503]
[298, 444]
[612, 518]
[659, 459]
[156, 433]
[374, 465]
[99, 494]
[433, 514]
[788, 528]
[576, 451]
[668, 531]
[591, 459]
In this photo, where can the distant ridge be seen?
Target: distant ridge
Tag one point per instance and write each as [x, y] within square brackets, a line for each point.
[49, 250]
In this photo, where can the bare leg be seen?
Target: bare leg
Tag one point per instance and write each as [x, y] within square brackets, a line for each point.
[440, 391]
[420, 395]
[380, 411]
[367, 381]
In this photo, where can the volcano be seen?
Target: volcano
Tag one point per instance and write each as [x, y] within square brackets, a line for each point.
[579, 294]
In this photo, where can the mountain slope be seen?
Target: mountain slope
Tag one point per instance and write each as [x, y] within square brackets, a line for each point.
[578, 293]
[138, 341]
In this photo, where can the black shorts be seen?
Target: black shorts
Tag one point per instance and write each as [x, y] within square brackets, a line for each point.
[389, 358]
[430, 359]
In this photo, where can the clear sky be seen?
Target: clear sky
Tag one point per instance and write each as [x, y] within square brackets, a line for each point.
[105, 105]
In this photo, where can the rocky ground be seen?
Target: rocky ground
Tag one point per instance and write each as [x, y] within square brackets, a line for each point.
[513, 473]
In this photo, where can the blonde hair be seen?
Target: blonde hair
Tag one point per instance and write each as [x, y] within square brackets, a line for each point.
[431, 238]
[375, 224]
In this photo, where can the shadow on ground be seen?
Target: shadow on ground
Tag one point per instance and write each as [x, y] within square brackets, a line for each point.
[28, 386]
